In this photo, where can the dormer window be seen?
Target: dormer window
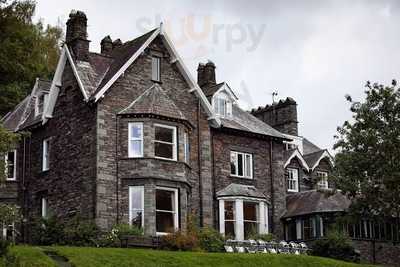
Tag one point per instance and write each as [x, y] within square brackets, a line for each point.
[41, 103]
[222, 105]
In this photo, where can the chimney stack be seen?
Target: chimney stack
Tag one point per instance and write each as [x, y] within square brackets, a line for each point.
[206, 74]
[106, 45]
[280, 115]
[76, 36]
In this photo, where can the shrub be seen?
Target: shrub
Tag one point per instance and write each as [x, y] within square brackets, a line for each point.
[184, 241]
[4, 245]
[210, 240]
[124, 229]
[80, 232]
[47, 232]
[264, 237]
[335, 245]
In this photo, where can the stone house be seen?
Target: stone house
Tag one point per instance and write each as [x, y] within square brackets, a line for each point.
[129, 136]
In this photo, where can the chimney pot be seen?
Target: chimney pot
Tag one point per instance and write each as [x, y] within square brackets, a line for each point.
[106, 45]
[76, 35]
[206, 74]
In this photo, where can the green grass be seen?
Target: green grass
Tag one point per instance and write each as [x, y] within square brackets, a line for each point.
[107, 257]
[26, 256]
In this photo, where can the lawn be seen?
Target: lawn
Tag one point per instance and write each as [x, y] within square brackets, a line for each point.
[107, 257]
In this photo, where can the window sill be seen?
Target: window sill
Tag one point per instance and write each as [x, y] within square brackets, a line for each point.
[292, 191]
[241, 177]
[155, 81]
[167, 159]
[11, 180]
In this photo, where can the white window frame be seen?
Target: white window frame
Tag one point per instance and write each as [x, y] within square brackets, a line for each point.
[293, 179]
[44, 207]
[176, 208]
[322, 180]
[156, 68]
[44, 104]
[245, 168]
[222, 105]
[131, 209]
[174, 139]
[186, 147]
[14, 167]
[45, 155]
[131, 153]
[262, 220]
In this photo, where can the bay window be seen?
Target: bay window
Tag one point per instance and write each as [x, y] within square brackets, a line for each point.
[186, 148]
[165, 142]
[135, 139]
[242, 218]
[322, 180]
[241, 164]
[166, 210]
[11, 165]
[136, 206]
[293, 180]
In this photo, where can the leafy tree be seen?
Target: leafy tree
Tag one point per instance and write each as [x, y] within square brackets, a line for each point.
[367, 163]
[27, 50]
[8, 141]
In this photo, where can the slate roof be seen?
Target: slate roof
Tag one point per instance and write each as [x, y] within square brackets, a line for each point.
[244, 121]
[154, 101]
[312, 158]
[240, 190]
[23, 114]
[315, 201]
[309, 147]
[210, 90]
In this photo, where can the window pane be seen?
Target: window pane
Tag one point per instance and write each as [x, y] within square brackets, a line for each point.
[137, 218]
[229, 210]
[136, 197]
[10, 164]
[250, 229]
[155, 68]
[230, 229]
[163, 150]
[248, 165]
[136, 131]
[250, 211]
[164, 200]
[164, 222]
[164, 134]
[136, 147]
[233, 163]
[240, 164]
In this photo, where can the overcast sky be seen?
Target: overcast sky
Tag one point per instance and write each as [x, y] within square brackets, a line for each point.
[313, 51]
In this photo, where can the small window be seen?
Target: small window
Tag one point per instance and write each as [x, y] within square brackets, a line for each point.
[46, 155]
[41, 103]
[166, 210]
[241, 164]
[11, 166]
[135, 141]
[165, 142]
[222, 106]
[44, 208]
[322, 180]
[136, 206]
[155, 69]
[186, 147]
[293, 180]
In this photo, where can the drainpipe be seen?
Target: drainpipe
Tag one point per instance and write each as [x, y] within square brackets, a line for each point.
[199, 165]
[116, 165]
[272, 188]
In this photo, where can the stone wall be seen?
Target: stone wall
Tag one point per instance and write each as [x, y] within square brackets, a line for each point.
[69, 184]
[137, 79]
[224, 142]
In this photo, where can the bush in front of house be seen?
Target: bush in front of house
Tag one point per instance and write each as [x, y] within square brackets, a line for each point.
[264, 237]
[210, 240]
[180, 240]
[47, 232]
[80, 232]
[4, 246]
[336, 245]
